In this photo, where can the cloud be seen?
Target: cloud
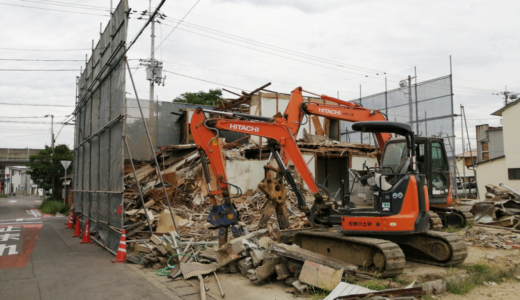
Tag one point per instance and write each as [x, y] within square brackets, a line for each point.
[307, 6]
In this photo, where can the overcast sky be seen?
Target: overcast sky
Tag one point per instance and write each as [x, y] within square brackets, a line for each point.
[324, 46]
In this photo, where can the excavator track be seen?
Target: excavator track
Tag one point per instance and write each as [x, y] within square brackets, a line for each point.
[454, 216]
[373, 255]
[433, 247]
[435, 221]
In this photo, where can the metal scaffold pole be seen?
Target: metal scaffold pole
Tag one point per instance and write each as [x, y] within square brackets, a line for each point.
[151, 148]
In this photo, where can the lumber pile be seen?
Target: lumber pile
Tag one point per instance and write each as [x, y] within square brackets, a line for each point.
[187, 193]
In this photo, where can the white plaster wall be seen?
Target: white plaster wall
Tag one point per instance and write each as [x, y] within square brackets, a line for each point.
[268, 109]
[511, 128]
[357, 162]
[494, 172]
[247, 174]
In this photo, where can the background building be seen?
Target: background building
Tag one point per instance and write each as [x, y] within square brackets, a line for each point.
[498, 158]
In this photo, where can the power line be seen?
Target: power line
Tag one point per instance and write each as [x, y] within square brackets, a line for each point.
[457, 88]
[175, 27]
[64, 4]
[284, 50]
[241, 75]
[33, 117]
[20, 59]
[274, 54]
[205, 80]
[68, 11]
[30, 104]
[47, 123]
[300, 43]
[38, 70]
[55, 50]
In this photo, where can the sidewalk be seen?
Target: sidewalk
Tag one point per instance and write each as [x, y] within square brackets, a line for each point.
[62, 268]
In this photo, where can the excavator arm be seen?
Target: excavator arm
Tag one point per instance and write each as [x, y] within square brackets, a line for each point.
[205, 134]
[342, 110]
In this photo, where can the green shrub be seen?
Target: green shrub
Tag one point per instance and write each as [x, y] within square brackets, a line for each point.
[3, 196]
[53, 207]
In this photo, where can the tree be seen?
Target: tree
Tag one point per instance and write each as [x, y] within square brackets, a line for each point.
[42, 166]
[205, 98]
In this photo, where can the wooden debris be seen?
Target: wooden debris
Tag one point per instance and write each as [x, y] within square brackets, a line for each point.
[320, 276]
[303, 255]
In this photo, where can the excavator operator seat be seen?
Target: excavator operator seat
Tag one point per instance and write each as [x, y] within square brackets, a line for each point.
[382, 183]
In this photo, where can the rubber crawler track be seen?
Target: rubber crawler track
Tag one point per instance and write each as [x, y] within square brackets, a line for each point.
[458, 248]
[466, 215]
[394, 257]
[435, 221]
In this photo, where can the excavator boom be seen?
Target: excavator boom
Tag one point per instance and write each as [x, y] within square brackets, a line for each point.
[345, 111]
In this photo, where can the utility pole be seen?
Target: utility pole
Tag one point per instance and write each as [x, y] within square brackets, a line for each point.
[408, 83]
[508, 95]
[152, 50]
[153, 66]
[410, 106]
[463, 183]
[52, 154]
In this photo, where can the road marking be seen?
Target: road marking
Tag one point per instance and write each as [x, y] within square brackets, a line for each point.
[12, 201]
[12, 250]
[33, 212]
[16, 243]
[9, 236]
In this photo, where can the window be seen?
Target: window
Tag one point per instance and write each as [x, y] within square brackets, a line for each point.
[393, 156]
[514, 173]
[485, 151]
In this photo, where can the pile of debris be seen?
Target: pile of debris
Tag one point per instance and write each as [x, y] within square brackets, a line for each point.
[500, 209]
[261, 259]
[255, 255]
[482, 237]
[187, 192]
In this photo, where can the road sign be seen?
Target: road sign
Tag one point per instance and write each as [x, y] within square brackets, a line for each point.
[65, 164]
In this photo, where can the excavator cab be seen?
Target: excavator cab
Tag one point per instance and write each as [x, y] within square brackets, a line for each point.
[399, 200]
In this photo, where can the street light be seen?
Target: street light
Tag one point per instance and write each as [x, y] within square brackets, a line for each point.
[52, 147]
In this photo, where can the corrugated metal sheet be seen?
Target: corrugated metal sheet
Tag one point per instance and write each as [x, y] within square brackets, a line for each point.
[344, 289]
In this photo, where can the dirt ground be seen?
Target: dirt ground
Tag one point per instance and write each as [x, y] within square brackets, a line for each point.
[508, 290]
[238, 287]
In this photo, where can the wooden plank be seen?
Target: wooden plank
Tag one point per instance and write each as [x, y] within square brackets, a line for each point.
[171, 178]
[303, 255]
[156, 240]
[143, 248]
[149, 203]
[317, 125]
[327, 127]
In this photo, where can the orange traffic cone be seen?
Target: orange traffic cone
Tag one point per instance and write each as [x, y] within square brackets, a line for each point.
[86, 235]
[121, 251]
[77, 229]
[70, 222]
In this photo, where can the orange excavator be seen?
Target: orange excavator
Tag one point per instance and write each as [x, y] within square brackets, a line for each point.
[376, 238]
[431, 158]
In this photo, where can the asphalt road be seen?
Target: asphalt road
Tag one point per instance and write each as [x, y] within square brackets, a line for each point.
[39, 259]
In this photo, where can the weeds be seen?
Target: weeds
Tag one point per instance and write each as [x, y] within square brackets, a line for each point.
[477, 274]
[317, 293]
[401, 281]
[375, 285]
[3, 196]
[51, 206]
[451, 229]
